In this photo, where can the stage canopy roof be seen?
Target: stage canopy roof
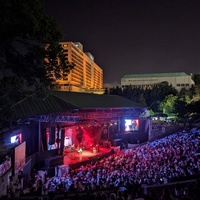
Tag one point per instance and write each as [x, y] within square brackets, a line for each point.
[58, 103]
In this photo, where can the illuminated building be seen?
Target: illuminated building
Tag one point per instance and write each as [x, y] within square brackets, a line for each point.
[86, 76]
[177, 80]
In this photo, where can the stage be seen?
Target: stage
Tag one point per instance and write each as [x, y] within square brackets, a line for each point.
[60, 165]
[74, 159]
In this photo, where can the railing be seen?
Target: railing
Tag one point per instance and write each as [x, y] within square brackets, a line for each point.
[161, 130]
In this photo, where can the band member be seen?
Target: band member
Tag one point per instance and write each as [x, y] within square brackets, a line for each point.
[80, 151]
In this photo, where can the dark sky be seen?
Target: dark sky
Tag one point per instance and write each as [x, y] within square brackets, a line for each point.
[133, 36]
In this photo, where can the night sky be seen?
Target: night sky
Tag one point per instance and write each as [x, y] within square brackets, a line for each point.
[133, 36]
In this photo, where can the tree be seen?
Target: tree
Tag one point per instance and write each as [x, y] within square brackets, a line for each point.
[150, 96]
[181, 108]
[194, 107]
[196, 78]
[196, 88]
[185, 95]
[157, 94]
[196, 93]
[168, 104]
[141, 99]
[25, 58]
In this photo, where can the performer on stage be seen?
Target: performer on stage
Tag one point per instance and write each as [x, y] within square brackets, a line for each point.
[80, 151]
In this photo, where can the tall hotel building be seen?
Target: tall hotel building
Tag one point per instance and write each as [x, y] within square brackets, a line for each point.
[86, 76]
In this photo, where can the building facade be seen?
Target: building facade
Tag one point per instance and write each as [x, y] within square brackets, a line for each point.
[177, 80]
[86, 76]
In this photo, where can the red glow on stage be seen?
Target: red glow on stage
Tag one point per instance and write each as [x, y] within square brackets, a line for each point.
[74, 157]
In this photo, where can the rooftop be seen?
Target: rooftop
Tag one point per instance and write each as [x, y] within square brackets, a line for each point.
[155, 75]
[50, 102]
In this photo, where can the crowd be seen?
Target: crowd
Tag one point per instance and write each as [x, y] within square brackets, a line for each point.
[5, 165]
[162, 161]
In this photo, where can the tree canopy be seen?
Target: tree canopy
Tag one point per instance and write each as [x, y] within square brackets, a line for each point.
[163, 98]
[196, 78]
[149, 96]
[29, 49]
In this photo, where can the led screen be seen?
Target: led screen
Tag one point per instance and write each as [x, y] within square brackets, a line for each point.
[16, 138]
[20, 155]
[131, 124]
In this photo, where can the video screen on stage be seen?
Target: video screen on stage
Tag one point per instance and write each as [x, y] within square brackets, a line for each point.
[131, 124]
[16, 138]
[20, 156]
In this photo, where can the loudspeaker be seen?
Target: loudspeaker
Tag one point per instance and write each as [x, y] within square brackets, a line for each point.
[52, 136]
[44, 138]
[62, 141]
